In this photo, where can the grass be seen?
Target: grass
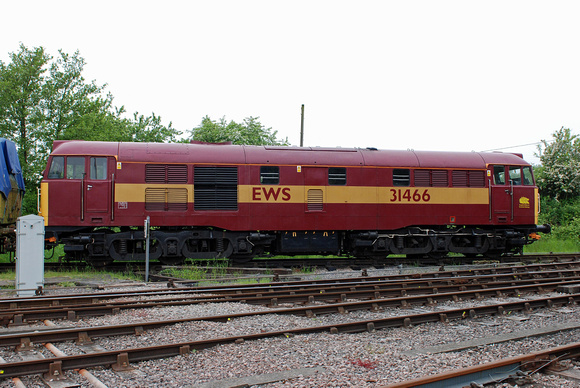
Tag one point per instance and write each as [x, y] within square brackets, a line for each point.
[548, 244]
[206, 275]
[49, 256]
[75, 275]
[193, 272]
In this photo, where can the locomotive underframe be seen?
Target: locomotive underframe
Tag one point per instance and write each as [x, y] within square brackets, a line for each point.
[173, 246]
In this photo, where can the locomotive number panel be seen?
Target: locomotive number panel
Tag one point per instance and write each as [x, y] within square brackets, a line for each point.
[408, 195]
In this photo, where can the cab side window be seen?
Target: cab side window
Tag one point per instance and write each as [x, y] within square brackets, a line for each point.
[98, 169]
[528, 176]
[56, 170]
[75, 167]
[515, 175]
[499, 175]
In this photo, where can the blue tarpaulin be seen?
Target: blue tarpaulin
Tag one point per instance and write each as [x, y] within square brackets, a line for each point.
[9, 165]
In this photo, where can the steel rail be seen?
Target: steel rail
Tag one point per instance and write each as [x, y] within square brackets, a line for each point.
[430, 295]
[83, 334]
[353, 290]
[352, 262]
[482, 373]
[426, 275]
[542, 271]
[120, 358]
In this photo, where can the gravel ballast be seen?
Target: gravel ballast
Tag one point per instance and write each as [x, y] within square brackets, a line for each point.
[343, 360]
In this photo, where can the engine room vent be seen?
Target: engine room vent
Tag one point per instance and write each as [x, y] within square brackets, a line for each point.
[431, 178]
[476, 178]
[460, 178]
[463, 178]
[422, 178]
[166, 173]
[315, 200]
[439, 178]
[215, 188]
[166, 199]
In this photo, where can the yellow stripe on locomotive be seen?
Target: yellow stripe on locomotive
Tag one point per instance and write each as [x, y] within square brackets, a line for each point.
[331, 194]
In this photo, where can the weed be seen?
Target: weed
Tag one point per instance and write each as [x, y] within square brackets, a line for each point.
[212, 270]
[304, 270]
[67, 284]
[367, 364]
[372, 350]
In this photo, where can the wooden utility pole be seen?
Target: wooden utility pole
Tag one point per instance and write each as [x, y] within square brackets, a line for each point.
[302, 128]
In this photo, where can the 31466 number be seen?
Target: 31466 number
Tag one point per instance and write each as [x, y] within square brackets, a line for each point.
[400, 195]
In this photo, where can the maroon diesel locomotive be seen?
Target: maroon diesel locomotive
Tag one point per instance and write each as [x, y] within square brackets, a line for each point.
[208, 200]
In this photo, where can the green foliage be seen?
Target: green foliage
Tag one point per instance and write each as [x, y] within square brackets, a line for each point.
[558, 180]
[194, 272]
[549, 243]
[564, 217]
[67, 284]
[42, 100]
[21, 115]
[559, 212]
[568, 232]
[250, 132]
[559, 176]
[112, 126]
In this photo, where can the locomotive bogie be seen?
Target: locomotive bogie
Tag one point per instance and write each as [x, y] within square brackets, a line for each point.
[208, 201]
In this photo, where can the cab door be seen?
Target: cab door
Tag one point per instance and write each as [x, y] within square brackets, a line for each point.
[524, 194]
[64, 189]
[97, 188]
[501, 211]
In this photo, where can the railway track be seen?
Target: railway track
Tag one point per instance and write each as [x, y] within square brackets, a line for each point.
[501, 370]
[18, 311]
[118, 358]
[359, 263]
[339, 305]
[307, 262]
[399, 295]
[511, 272]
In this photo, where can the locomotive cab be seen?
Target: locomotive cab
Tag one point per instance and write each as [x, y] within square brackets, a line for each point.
[513, 194]
[76, 195]
[86, 181]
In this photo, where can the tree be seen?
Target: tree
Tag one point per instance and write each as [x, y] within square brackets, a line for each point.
[67, 97]
[249, 132]
[559, 176]
[150, 129]
[21, 92]
[76, 109]
[42, 100]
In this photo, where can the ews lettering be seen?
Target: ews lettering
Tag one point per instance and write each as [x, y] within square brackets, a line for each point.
[274, 193]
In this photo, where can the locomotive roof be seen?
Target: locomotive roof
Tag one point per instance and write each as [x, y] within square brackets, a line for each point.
[234, 154]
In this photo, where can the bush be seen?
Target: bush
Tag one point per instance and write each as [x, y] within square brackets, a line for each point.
[564, 216]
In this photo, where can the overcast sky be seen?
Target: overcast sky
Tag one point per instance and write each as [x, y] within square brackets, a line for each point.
[427, 75]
